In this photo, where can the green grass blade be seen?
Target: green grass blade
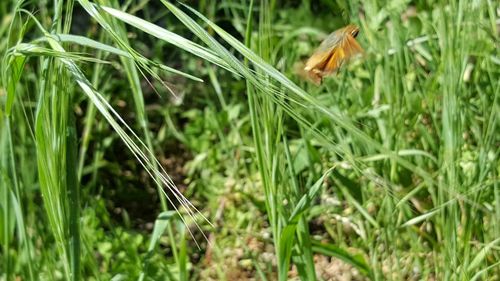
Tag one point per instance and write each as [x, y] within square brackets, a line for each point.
[334, 251]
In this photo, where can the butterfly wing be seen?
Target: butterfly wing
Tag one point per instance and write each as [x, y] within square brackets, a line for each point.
[321, 56]
[347, 48]
[316, 64]
[318, 60]
[335, 61]
[351, 46]
[337, 48]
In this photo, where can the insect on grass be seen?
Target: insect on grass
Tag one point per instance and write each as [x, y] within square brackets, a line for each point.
[336, 49]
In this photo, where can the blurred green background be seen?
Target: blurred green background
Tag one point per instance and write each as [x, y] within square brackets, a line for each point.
[159, 140]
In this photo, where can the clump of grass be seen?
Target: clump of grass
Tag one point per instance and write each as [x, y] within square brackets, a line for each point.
[390, 166]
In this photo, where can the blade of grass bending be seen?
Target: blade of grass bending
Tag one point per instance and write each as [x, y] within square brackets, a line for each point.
[421, 218]
[16, 66]
[168, 36]
[138, 58]
[342, 121]
[307, 198]
[32, 48]
[278, 76]
[159, 228]
[108, 112]
[287, 237]
[478, 259]
[479, 274]
[85, 41]
[142, 119]
[334, 251]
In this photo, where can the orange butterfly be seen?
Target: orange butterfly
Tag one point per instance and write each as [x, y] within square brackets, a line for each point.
[336, 49]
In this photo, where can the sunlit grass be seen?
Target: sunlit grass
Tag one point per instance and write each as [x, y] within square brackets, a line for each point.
[389, 166]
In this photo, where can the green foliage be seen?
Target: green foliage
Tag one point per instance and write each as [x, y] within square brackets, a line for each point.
[112, 113]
